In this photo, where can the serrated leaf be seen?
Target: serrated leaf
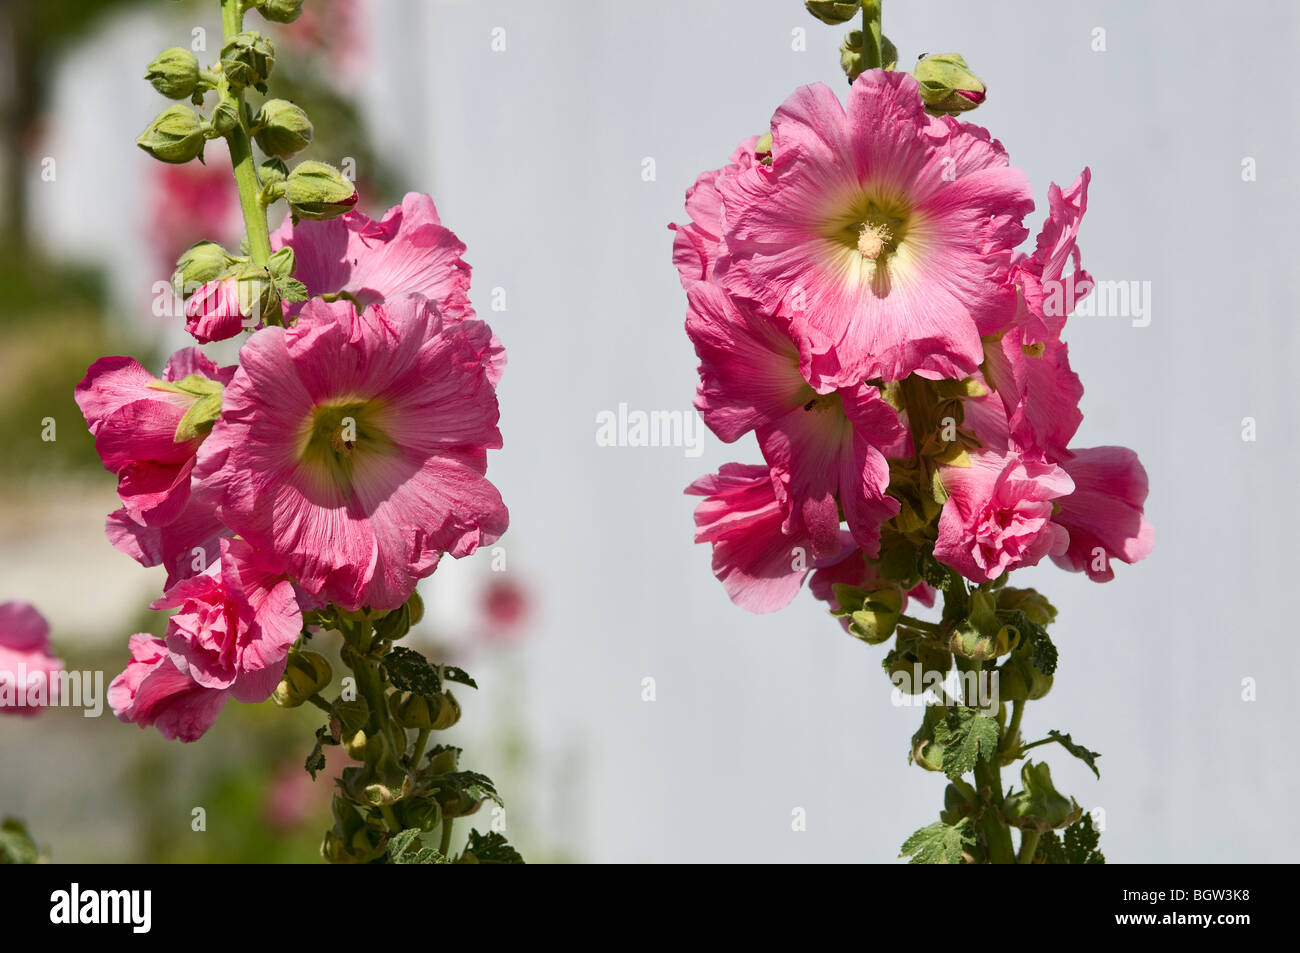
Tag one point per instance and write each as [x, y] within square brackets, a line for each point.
[939, 843]
[1081, 842]
[291, 289]
[491, 848]
[967, 738]
[405, 847]
[1079, 751]
[451, 673]
[1042, 652]
[471, 783]
[409, 671]
[316, 760]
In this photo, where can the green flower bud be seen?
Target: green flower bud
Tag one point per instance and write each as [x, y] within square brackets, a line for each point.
[1029, 601]
[413, 711]
[247, 60]
[851, 60]
[198, 265]
[176, 135]
[878, 617]
[1040, 807]
[1020, 680]
[416, 607]
[305, 674]
[280, 11]
[834, 12]
[174, 73]
[225, 118]
[272, 172]
[421, 814]
[281, 128]
[947, 84]
[319, 191]
[443, 760]
[448, 712]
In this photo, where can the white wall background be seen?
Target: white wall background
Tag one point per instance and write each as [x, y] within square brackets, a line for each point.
[534, 156]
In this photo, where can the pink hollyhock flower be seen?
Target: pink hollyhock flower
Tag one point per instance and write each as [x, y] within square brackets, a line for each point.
[216, 311]
[884, 234]
[759, 564]
[234, 626]
[505, 606]
[1047, 295]
[698, 244]
[134, 418]
[352, 448]
[153, 691]
[191, 202]
[998, 515]
[26, 661]
[827, 451]
[408, 251]
[1104, 513]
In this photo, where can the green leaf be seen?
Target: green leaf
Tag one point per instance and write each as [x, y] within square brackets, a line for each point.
[200, 417]
[316, 760]
[1042, 653]
[939, 843]
[1079, 751]
[405, 847]
[1079, 846]
[967, 737]
[1081, 842]
[409, 671]
[478, 787]
[451, 673]
[490, 849]
[16, 844]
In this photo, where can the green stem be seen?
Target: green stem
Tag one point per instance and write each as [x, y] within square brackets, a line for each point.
[321, 703]
[872, 56]
[1013, 730]
[421, 739]
[997, 836]
[919, 623]
[241, 150]
[444, 845]
[1028, 846]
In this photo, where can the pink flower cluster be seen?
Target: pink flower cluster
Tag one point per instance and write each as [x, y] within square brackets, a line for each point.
[335, 464]
[862, 249]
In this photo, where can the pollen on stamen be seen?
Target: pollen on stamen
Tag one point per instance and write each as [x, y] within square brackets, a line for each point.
[872, 239]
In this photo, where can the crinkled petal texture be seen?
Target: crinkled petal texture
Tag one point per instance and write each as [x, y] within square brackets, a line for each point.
[1039, 390]
[408, 251]
[698, 244]
[133, 417]
[998, 515]
[352, 448]
[234, 626]
[825, 450]
[884, 234]
[1104, 513]
[760, 565]
[1047, 295]
[26, 660]
[153, 691]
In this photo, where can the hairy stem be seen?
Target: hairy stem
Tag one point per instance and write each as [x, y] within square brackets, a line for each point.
[872, 56]
[241, 150]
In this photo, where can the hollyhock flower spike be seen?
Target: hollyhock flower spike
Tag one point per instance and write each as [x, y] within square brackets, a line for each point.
[27, 662]
[306, 491]
[884, 234]
[352, 448]
[857, 301]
